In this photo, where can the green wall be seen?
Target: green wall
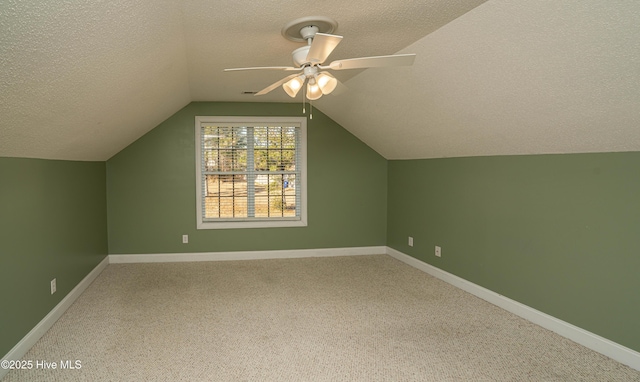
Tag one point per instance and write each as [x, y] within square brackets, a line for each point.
[151, 190]
[559, 233]
[52, 224]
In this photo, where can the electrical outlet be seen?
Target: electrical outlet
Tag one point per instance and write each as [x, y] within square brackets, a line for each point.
[53, 286]
[438, 251]
[410, 241]
[185, 239]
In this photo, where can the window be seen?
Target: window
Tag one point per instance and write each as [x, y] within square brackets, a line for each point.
[251, 172]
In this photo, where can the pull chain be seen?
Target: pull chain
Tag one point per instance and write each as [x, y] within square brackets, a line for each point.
[310, 109]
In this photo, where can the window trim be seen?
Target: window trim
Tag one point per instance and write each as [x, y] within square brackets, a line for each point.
[301, 123]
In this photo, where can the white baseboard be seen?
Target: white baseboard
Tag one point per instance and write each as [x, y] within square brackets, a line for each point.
[246, 255]
[47, 322]
[585, 338]
[592, 341]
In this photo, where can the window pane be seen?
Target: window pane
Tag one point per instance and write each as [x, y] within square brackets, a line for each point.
[274, 136]
[288, 160]
[289, 195]
[260, 158]
[274, 161]
[232, 160]
[225, 196]
[224, 148]
[275, 196]
[260, 137]
[289, 137]
[275, 148]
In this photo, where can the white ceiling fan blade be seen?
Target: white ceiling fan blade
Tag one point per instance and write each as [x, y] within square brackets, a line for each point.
[372, 62]
[264, 68]
[275, 85]
[322, 46]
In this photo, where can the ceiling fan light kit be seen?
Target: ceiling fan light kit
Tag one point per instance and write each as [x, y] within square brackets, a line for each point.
[293, 86]
[313, 90]
[308, 59]
[326, 82]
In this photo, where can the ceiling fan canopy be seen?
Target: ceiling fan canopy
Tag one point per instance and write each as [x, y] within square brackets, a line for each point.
[308, 59]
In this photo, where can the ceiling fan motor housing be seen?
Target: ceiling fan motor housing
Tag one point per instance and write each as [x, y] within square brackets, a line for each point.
[300, 55]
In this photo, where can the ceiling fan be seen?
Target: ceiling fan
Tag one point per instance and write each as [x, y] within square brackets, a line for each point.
[309, 59]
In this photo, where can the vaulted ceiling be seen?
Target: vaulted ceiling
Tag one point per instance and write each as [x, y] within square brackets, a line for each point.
[82, 79]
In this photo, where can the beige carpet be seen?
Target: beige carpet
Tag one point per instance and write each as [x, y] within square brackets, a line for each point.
[362, 318]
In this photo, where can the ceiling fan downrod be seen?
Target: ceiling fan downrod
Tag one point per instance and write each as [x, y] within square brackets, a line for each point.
[308, 33]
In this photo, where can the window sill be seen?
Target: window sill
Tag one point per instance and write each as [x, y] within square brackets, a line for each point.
[252, 224]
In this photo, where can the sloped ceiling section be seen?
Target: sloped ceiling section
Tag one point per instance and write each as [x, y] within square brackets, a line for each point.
[81, 80]
[526, 77]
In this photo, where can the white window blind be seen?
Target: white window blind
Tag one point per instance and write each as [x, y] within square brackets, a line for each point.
[251, 170]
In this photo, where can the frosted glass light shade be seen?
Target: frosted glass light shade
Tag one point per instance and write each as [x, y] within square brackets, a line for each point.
[293, 86]
[326, 82]
[313, 91]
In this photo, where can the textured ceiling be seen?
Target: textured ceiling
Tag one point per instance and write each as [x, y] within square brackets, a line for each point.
[82, 79]
[526, 77]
